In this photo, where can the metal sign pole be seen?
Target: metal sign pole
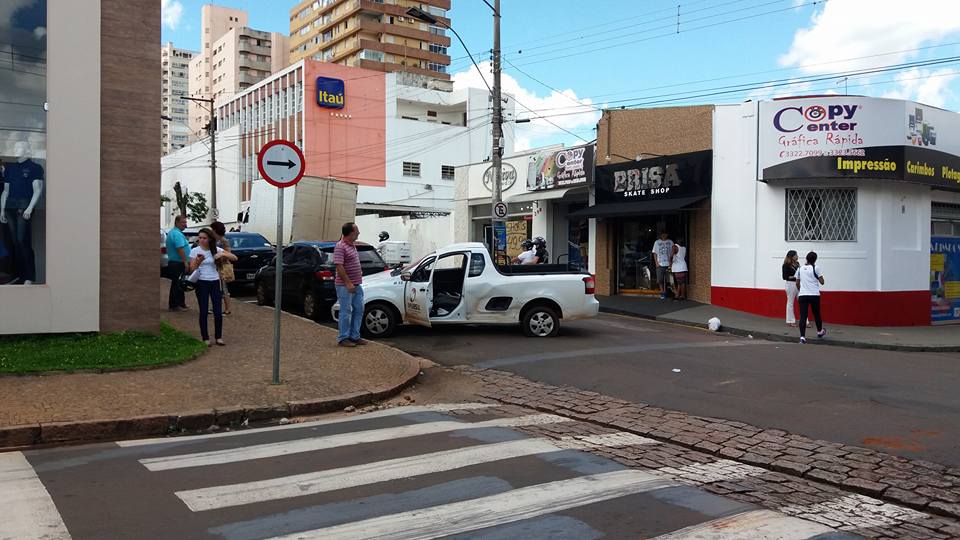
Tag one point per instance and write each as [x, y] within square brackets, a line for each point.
[278, 289]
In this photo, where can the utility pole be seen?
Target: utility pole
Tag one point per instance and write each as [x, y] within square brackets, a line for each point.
[212, 130]
[497, 154]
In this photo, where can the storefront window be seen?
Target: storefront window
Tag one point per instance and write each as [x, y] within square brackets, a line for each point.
[23, 142]
[637, 272]
[821, 214]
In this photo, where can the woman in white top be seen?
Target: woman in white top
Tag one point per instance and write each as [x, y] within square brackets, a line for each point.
[205, 259]
[679, 269]
[809, 281]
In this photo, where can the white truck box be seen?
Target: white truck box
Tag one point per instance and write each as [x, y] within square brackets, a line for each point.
[314, 210]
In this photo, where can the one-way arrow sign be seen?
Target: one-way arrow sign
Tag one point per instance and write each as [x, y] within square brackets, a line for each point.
[281, 163]
[290, 164]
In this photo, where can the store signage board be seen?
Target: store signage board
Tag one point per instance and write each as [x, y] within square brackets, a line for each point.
[670, 177]
[564, 168]
[858, 137]
[331, 93]
[508, 175]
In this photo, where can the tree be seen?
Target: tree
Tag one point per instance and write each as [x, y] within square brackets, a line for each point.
[182, 198]
[197, 206]
[164, 200]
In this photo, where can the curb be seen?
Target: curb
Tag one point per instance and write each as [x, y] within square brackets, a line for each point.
[758, 334]
[42, 434]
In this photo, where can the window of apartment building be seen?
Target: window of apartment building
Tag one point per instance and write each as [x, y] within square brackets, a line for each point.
[438, 31]
[327, 54]
[439, 68]
[411, 168]
[328, 35]
[375, 56]
[304, 12]
[304, 30]
[447, 172]
[438, 49]
[821, 214]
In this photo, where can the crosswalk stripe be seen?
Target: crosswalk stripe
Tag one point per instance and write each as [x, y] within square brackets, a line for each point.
[233, 455]
[300, 485]
[396, 411]
[758, 524]
[28, 511]
[368, 473]
[509, 507]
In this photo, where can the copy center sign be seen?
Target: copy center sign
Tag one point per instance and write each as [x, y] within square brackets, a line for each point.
[281, 163]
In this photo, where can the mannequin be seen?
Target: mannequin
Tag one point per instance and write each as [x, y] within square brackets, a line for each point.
[22, 187]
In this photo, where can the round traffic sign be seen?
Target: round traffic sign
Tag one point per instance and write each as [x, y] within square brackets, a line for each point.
[500, 210]
[281, 163]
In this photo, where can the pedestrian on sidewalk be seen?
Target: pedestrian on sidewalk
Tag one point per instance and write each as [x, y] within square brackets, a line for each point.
[205, 258]
[348, 282]
[225, 269]
[663, 257]
[679, 269]
[809, 281]
[177, 245]
[790, 265]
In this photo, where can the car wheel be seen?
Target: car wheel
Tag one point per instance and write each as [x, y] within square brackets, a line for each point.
[311, 309]
[540, 321]
[263, 299]
[379, 321]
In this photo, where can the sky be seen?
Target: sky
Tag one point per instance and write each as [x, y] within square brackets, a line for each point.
[567, 60]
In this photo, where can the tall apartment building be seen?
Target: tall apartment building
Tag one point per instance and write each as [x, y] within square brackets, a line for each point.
[234, 57]
[372, 34]
[174, 69]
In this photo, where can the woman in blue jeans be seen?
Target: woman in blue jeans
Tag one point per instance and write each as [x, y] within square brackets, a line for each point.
[205, 260]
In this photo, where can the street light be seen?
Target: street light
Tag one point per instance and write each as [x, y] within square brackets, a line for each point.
[497, 152]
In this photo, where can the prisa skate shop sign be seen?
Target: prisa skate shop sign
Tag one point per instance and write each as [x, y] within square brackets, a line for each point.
[669, 177]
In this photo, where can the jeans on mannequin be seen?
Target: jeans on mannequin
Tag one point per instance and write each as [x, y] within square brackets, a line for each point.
[20, 232]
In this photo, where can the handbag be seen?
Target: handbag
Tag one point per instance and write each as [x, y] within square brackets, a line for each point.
[227, 273]
[189, 283]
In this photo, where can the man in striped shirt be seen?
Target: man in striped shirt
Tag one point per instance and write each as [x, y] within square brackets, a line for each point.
[348, 284]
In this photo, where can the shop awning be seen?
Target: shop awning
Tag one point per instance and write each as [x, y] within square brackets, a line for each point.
[636, 208]
[544, 195]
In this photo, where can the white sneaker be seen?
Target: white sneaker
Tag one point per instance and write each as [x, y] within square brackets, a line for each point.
[822, 334]
[803, 340]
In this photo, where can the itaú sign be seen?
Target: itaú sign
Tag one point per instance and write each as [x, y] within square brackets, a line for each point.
[330, 93]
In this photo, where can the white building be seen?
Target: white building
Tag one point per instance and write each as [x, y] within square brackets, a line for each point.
[174, 68]
[864, 182]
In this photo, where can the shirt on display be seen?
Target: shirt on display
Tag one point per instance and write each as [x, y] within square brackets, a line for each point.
[207, 268]
[19, 177]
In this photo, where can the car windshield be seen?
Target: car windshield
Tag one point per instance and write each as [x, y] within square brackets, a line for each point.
[247, 241]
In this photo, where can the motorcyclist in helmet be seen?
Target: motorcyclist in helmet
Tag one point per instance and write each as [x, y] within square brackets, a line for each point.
[540, 250]
[528, 255]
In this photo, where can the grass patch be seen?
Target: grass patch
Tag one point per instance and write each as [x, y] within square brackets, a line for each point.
[71, 352]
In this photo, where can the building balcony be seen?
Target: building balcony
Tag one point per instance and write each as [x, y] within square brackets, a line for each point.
[403, 31]
[249, 62]
[253, 48]
[402, 50]
[390, 67]
[248, 78]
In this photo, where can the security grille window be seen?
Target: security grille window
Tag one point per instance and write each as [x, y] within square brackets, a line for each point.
[447, 172]
[411, 168]
[821, 214]
[946, 219]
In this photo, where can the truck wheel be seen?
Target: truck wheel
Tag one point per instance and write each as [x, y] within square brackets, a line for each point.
[263, 299]
[379, 321]
[311, 308]
[540, 321]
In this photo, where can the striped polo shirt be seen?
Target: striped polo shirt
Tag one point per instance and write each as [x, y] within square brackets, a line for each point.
[346, 254]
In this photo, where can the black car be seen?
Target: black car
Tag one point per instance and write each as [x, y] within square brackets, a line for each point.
[308, 276]
[252, 251]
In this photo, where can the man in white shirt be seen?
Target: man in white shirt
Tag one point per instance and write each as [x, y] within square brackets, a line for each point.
[663, 257]
[528, 255]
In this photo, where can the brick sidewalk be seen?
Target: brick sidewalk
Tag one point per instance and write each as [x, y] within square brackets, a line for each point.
[231, 377]
[919, 485]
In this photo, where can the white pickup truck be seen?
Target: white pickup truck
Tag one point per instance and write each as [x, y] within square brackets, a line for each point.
[460, 285]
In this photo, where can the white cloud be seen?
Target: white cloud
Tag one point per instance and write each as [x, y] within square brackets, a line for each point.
[541, 131]
[171, 11]
[852, 29]
[926, 86]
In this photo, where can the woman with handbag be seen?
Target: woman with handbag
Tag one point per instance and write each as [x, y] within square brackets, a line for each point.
[791, 263]
[226, 269]
[205, 260]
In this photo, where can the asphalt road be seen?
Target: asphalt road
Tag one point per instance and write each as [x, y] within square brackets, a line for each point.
[414, 472]
[903, 403]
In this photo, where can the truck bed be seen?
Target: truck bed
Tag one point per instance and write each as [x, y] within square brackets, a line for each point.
[526, 269]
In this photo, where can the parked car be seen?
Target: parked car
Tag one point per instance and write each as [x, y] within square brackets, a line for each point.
[460, 285]
[253, 251]
[308, 276]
